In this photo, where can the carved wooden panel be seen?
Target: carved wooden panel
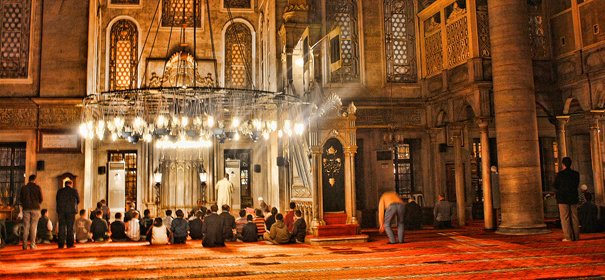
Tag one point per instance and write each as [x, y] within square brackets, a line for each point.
[15, 30]
[400, 40]
[59, 116]
[434, 53]
[18, 117]
[483, 32]
[457, 42]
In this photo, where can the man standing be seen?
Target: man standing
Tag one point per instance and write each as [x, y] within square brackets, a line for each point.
[224, 189]
[390, 205]
[213, 229]
[67, 207]
[31, 198]
[566, 183]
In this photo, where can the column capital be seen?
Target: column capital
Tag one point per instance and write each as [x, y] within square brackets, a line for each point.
[593, 117]
[483, 122]
[433, 132]
[559, 122]
[456, 129]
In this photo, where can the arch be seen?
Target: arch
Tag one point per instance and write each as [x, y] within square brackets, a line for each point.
[572, 106]
[252, 52]
[465, 112]
[108, 49]
[442, 118]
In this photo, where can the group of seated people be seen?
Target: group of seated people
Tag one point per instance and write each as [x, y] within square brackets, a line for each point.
[208, 225]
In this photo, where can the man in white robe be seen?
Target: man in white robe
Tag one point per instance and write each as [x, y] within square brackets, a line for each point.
[224, 189]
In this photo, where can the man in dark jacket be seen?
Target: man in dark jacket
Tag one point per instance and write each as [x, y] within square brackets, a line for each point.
[31, 198]
[566, 183]
[229, 224]
[146, 223]
[195, 226]
[299, 229]
[118, 229]
[413, 215]
[99, 228]
[249, 231]
[213, 229]
[179, 228]
[67, 206]
[588, 214]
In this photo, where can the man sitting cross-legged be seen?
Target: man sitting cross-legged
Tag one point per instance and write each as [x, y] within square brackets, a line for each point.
[213, 229]
[118, 229]
[279, 233]
[180, 228]
[99, 228]
[195, 226]
[229, 224]
[249, 231]
[299, 229]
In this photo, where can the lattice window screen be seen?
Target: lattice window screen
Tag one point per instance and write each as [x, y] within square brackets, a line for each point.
[399, 40]
[343, 14]
[123, 55]
[172, 13]
[15, 24]
[238, 56]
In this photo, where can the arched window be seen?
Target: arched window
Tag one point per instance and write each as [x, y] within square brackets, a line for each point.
[343, 14]
[123, 51]
[238, 56]
[399, 42]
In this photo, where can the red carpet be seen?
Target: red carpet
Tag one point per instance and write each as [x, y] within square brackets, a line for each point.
[469, 253]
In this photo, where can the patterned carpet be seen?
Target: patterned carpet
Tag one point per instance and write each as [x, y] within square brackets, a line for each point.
[469, 253]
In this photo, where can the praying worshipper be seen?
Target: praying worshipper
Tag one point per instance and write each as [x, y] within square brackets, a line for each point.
[229, 224]
[99, 228]
[196, 208]
[241, 221]
[224, 188]
[249, 231]
[259, 220]
[82, 228]
[588, 214]
[130, 210]
[278, 234]
[118, 229]
[167, 221]
[93, 212]
[443, 213]
[45, 228]
[146, 222]
[133, 230]
[269, 221]
[180, 228]
[158, 233]
[262, 205]
[195, 226]
[299, 229]
[389, 207]
[583, 191]
[413, 215]
[105, 209]
[213, 229]
[289, 218]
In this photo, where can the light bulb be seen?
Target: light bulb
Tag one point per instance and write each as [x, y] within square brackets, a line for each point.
[83, 130]
[236, 136]
[273, 125]
[160, 120]
[235, 122]
[185, 121]
[299, 128]
[114, 136]
[137, 122]
[210, 121]
[89, 125]
[280, 133]
[266, 135]
[101, 124]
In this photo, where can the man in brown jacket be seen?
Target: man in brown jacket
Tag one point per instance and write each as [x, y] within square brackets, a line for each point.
[31, 198]
[279, 233]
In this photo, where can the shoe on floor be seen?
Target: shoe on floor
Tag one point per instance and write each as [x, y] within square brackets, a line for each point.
[33, 246]
[565, 240]
[45, 242]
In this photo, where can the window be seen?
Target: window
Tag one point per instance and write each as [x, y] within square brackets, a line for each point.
[238, 56]
[174, 16]
[130, 158]
[399, 40]
[12, 171]
[343, 14]
[15, 27]
[123, 55]
[402, 162]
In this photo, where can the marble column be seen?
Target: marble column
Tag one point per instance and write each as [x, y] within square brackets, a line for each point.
[486, 176]
[353, 195]
[434, 166]
[459, 166]
[317, 219]
[596, 156]
[516, 122]
[559, 123]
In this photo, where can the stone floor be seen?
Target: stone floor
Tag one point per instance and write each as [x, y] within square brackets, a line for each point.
[469, 253]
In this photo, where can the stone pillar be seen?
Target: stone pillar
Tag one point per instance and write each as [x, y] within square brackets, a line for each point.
[317, 218]
[435, 166]
[351, 160]
[486, 176]
[595, 155]
[460, 189]
[559, 123]
[516, 123]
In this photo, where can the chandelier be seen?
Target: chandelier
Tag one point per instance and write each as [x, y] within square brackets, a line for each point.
[184, 110]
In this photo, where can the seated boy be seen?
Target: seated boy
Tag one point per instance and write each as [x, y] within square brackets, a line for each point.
[118, 229]
[180, 228]
[99, 228]
[249, 231]
[45, 228]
